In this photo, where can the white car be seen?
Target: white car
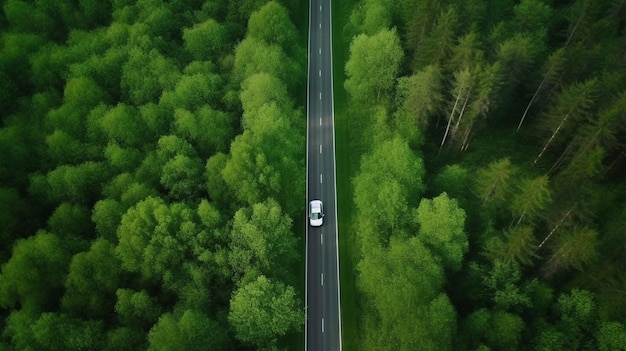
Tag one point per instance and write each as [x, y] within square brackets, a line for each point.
[316, 213]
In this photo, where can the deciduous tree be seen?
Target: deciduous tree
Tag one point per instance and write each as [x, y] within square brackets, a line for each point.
[390, 176]
[193, 330]
[403, 284]
[35, 274]
[442, 229]
[205, 40]
[373, 65]
[271, 24]
[262, 242]
[91, 282]
[263, 310]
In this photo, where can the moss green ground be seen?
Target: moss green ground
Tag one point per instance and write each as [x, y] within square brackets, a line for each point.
[346, 164]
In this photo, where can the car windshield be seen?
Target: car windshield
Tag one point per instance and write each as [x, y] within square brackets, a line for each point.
[315, 215]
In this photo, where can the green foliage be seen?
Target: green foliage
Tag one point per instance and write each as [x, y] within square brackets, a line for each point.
[403, 283]
[611, 336]
[493, 182]
[477, 67]
[265, 160]
[255, 56]
[437, 46]
[441, 228]
[208, 130]
[519, 246]
[123, 125]
[70, 220]
[136, 308]
[503, 282]
[260, 89]
[193, 91]
[262, 310]
[420, 97]
[532, 199]
[122, 158]
[12, 208]
[493, 330]
[272, 25]
[574, 248]
[205, 40]
[389, 182]
[146, 74]
[55, 331]
[261, 243]
[181, 175]
[80, 96]
[35, 274]
[215, 184]
[18, 329]
[64, 149]
[371, 17]
[116, 116]
[517, 55]
[191, 331]
[572, 105]
[78, 184]
[454, 180]
[156, 239]
[373, 65]
[504, 331]
[92, 280]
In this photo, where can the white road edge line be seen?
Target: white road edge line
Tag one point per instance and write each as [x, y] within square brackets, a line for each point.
[332, 116]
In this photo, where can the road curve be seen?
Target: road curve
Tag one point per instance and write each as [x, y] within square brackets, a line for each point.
[323, 313]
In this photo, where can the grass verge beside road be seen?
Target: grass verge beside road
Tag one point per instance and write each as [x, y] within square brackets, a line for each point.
[346, 163]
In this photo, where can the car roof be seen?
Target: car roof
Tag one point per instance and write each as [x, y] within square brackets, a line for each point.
[316, 204]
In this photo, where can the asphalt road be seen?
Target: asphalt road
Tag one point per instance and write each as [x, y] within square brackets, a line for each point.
[323, 323]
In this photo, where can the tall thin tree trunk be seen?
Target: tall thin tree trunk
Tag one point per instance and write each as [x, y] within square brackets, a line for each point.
[468, 131]
[445, 135]
[531, 101]
[617, 160]
[556, 131]
[554, 230]
[571, 35]
[458, 121]
[558, 162]
[545, 77]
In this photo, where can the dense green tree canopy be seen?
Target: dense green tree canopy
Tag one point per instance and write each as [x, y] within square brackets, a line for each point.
[512, 106]
[442, 229]
[262, 310]
[373, 65]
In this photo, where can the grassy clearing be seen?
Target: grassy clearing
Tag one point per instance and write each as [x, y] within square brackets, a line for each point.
[346, 167]
[300, 17]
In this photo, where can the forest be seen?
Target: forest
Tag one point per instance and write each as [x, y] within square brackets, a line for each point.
[490, 135]
[151, 171]
[152, 174]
